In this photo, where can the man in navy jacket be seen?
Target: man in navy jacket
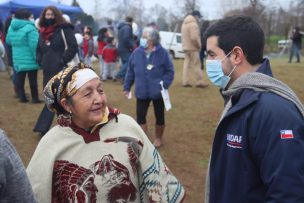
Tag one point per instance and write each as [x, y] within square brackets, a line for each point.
[125, 46]
[257, 153]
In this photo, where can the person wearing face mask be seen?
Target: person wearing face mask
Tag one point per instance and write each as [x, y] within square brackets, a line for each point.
[52, 54]
[191, 45]
[149, 64]
[259, 139]
[23, 37]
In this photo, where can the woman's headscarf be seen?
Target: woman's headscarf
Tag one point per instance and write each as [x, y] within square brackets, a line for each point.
[65, 84]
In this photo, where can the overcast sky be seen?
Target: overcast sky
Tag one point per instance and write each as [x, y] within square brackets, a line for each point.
[211, 9]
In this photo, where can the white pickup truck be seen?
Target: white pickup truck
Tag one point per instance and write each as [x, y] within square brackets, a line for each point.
[172, 41]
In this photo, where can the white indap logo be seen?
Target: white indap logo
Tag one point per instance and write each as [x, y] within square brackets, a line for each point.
[234, 141]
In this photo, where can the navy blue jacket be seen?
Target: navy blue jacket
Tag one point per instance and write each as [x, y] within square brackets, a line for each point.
[251, 161]
[147, 81]
[125, 38]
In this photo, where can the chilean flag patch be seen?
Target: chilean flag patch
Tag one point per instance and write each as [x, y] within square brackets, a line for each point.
[286, 134]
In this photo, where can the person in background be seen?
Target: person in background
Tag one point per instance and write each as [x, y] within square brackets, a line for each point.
[52, 54]
[260, 135]
[125, 46]
[111, 29]
[101, 39]
[96, 154]
[78, 31]
[22, 35]
[8, 50]
[191, 45]
[204, 27]
[296, 46]
[88, 45]
[78, 27]
[110, 57]
[14, 183]
[2, 56]
[149, 64]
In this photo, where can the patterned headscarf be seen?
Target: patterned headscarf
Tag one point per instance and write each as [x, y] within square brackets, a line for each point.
[65, 84]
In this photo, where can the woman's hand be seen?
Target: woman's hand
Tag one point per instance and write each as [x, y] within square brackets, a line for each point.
[127, 94]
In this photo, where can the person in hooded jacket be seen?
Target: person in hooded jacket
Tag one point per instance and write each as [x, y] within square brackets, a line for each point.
[125, 46]
[52, 54]
[23, 37]
[259, 140]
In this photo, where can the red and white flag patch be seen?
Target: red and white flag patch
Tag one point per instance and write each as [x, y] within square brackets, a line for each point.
[286, 134]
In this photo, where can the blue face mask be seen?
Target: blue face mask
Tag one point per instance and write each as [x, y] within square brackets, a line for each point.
[215, 72]
[143, 43]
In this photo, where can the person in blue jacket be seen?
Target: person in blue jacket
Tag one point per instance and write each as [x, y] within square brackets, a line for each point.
[257, 152]
[125, 46]
[149, 64]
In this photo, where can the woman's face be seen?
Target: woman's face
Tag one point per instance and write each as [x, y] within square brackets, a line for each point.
[49, 14]
[88, 104]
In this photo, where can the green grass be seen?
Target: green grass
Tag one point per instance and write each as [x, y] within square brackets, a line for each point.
[190, 123]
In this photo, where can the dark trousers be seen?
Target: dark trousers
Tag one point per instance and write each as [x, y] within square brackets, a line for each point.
[46, 117]
[295, 49]
[142, 106]
[20, 79]
[124, 56]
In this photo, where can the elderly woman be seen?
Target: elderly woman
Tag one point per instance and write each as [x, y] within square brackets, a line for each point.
[149, 64]
[95, 154]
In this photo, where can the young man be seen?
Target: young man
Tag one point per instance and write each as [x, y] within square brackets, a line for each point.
[259, 141]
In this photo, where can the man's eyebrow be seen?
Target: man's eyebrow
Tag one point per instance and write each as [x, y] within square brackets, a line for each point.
[210, 52]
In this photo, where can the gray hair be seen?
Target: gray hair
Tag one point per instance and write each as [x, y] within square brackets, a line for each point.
[152, 35]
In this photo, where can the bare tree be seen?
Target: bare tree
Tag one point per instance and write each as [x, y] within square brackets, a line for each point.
[187, 6]
[97, 10]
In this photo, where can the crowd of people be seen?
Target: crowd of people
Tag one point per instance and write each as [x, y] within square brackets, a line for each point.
[97, 154]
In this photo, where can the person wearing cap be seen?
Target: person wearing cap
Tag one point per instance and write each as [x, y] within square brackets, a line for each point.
[192, 45]
[95, 154]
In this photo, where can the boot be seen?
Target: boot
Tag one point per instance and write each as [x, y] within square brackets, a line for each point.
[159, 132]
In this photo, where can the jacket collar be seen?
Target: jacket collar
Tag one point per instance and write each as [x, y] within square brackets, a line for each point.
[244, 98]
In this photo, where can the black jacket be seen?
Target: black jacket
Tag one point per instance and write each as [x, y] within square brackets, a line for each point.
[52, 57]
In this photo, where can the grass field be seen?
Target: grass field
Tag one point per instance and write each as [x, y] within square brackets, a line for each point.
[190, 124]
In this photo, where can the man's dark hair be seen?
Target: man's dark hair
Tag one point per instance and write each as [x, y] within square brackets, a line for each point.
[240, 31]
[23, 14]
[129, 19]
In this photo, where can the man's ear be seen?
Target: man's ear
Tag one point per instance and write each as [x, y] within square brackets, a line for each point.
[238, 55]
[65, 104]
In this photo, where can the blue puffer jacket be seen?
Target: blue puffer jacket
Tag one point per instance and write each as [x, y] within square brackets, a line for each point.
[23, 37]
[147, 79]
[251, 161]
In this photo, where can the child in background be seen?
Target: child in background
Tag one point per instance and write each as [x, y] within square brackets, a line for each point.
[103, 34]
[109, 55]
[88, 45]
